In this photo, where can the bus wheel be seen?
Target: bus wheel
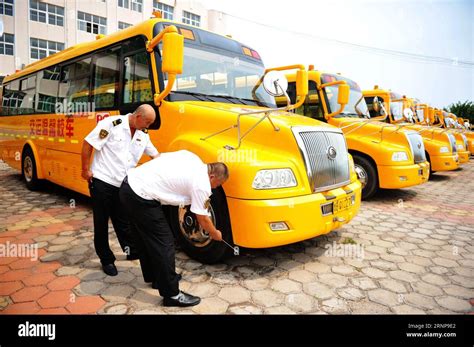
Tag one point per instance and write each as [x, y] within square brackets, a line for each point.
[367, 176]
[195, 241]
[28, 170]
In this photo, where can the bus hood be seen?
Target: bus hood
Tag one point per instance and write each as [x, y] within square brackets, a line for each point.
[279, 118]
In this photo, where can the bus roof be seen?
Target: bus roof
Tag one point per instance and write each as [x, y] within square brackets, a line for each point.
[143, 28]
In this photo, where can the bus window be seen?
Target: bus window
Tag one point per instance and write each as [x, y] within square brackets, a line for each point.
[106, 78]
[28, 89]
[75, 83]
[12, 98]
[311, 107]
[137, 85]
[48, 84]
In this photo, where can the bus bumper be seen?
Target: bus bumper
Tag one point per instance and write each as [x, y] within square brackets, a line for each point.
[470, 146]
[394, 177]
[250, 219]
[444, 162]
[463, 156]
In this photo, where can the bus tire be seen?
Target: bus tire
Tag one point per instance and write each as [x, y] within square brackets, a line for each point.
[28, 170]
[186, 228]
[367, 174]
[431, 167]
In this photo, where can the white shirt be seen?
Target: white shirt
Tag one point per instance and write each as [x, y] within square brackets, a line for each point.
[115, 150]
[174, 178]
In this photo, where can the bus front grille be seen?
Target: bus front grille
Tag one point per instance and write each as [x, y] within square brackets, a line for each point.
[325, 154]
[417, 147]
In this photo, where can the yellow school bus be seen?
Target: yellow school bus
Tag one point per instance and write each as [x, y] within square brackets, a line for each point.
[465, 126]
[439, 118]
[384, 155]
[450, 121]
[291, 177]
[440, 146]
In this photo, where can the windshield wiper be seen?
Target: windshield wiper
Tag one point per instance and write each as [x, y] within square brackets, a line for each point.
[232, 99]
[199, 96]
[258, 102]
[361, 115]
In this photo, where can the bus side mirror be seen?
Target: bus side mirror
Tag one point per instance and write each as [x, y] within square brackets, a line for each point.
[173, 53]
[343, 94]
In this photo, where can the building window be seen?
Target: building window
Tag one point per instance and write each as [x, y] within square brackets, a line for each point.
[191, 18]
[6, 44]
[6, 7]
[166, 10]
[123, 25]
[41, 48]
[91, 23]
[136, 5]
[124, 3]
[46, 13]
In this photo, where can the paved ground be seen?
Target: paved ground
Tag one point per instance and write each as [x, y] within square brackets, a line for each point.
[408, 251]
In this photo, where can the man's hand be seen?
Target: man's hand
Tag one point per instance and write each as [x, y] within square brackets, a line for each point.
[206, 223]
[216, 235]
[87, 175]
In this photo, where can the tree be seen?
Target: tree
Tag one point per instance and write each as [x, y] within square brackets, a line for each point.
[462, 109]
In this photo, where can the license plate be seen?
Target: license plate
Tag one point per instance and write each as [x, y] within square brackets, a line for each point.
[342, 204]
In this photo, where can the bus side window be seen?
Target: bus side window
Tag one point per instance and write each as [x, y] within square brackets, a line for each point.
[47, 91]
[28, 90]
[137, 84]
[312, 106]
[106, 78]
[75, 84]
[12, 98]
[369, 100]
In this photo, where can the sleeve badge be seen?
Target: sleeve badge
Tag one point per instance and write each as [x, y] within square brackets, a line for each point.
[103, 134]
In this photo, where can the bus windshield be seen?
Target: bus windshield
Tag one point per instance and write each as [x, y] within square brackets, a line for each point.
[221, 77]
[420, 113]
[356, 107]
[396, 109]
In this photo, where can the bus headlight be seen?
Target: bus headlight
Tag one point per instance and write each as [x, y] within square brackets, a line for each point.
[399, 156]
[274, 178]
[444, 149]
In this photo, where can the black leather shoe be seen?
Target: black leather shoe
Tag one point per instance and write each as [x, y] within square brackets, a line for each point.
[154, 284]
[183, 300]
[110, 269]
[133, 256]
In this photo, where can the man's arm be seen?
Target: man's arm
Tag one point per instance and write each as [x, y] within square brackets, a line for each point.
[85, 159]
[206, 223]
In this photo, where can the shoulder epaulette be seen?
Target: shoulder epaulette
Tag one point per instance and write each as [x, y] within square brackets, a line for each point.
[117, 122]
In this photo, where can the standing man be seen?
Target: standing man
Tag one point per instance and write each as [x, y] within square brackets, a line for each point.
[175, 178]
[119, 143]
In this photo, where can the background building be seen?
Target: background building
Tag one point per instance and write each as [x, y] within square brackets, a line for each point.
[34, 29]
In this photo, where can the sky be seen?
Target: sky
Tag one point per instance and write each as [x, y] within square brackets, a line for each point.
[422, 49]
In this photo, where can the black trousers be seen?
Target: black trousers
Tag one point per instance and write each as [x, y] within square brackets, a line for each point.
[106, 204]
[155, 241]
